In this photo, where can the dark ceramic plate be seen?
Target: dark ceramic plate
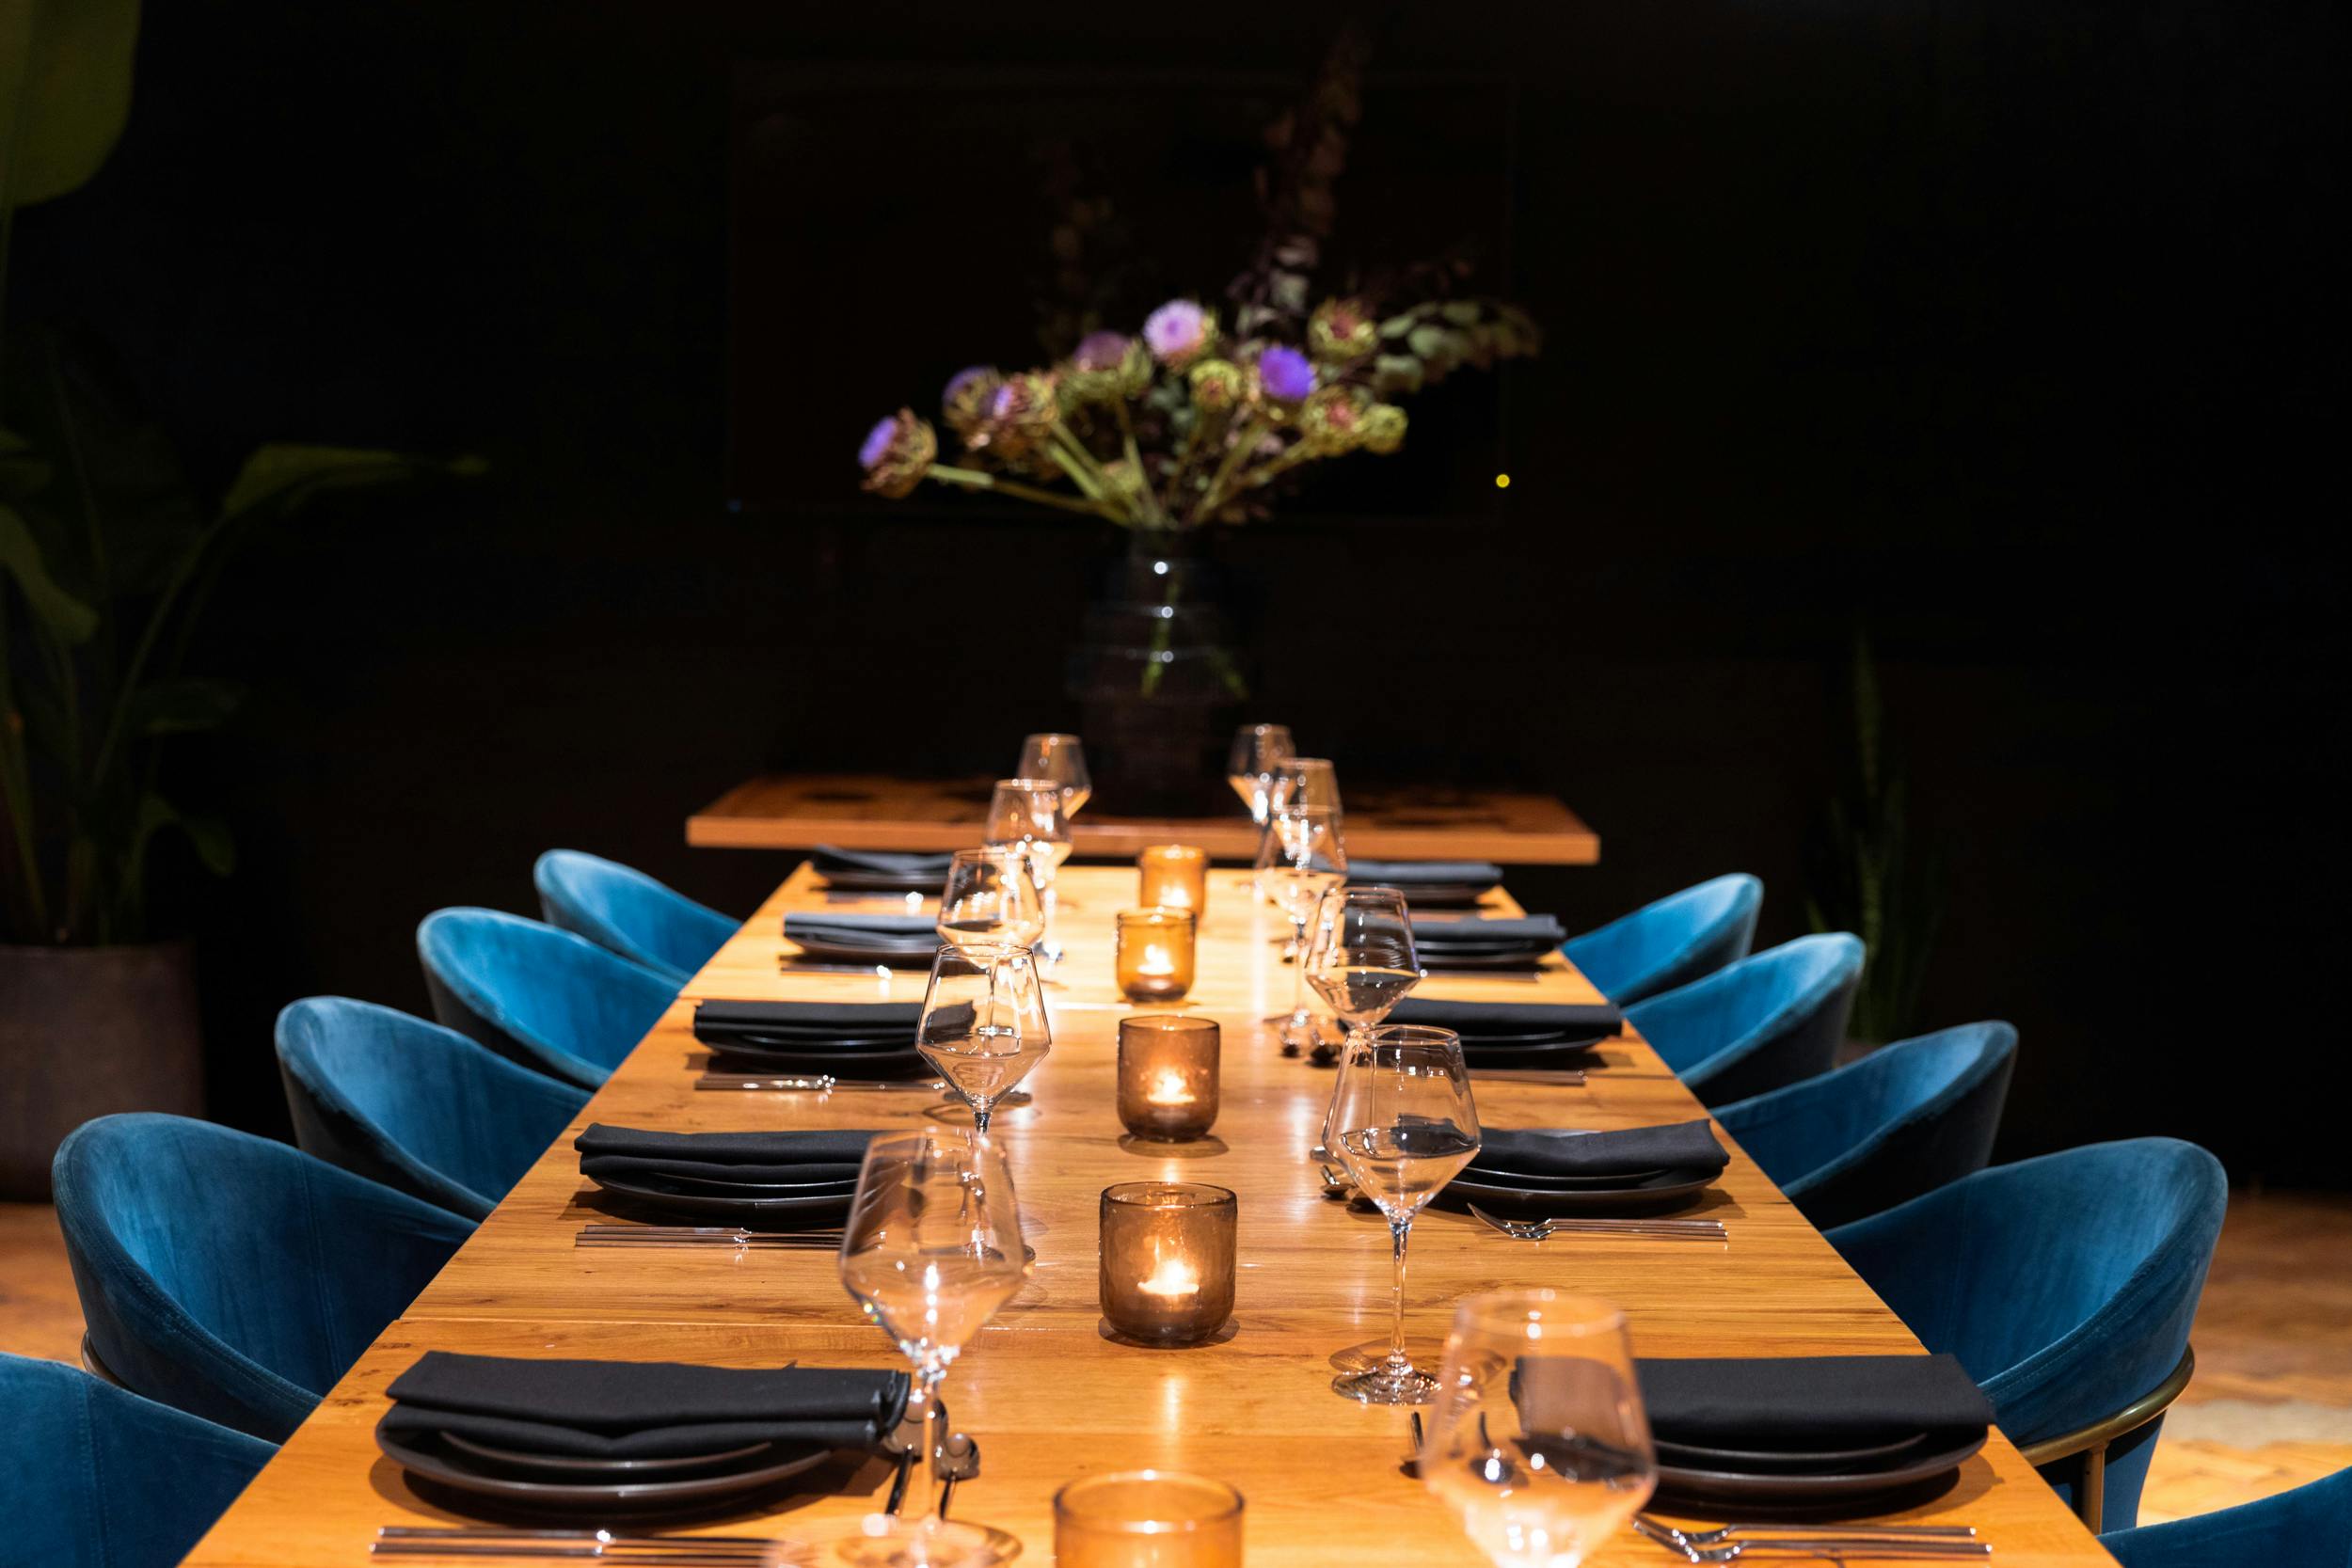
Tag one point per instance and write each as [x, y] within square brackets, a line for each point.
[775, 1213]
[1712, 1488]
[1667, 1189]
[1759, 1461]
[893, 955]
[1519, 956]
[855, 1053]
[716, 1187]
[473, 1453]
[925, 883]
[1568, 1054]
[1615, 1180]
[434, 1462]
[1437, 894]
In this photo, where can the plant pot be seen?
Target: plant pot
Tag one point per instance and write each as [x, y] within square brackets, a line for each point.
[86, 1031]
[1159, 681]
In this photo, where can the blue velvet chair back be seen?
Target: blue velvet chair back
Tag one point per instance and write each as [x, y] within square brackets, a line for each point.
[1765, 1022]
[414, 1105]
[103, 1479]
[620, 908]
[1683, 937]
[554, 1001]
[2310, 1526]
[231, 1277]
[1904, 1120]
[2065, 1285]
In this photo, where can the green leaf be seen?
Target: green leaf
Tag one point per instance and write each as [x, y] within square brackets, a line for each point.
[65, 71]
[1393, 373]
[181, 707]
[1396, 327]
[285, 474]
[212, 845]
[1461, 313]
[21, 558]
[1427, 341]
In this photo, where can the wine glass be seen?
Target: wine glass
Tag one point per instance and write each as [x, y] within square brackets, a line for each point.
[989, 900]
[1538, 1442]
[1360, 959]
[1403, 1123]
[984, 1026]
[1027, 815]
[1250, 766]
[1311, 781]
[932, 1250]
[1063, 759]
[1312, 861]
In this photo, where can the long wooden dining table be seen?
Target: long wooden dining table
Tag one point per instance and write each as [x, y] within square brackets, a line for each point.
[1047, 1390]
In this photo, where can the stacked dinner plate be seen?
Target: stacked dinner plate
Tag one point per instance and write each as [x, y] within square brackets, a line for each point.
[1516, 1034]
[896, 940]
[1538, 1172]
[627, 1438]
[1824, 1434]
[1495, 941]
[800, 1181]
[879, 870]
[1428, 884]
[845, 1039]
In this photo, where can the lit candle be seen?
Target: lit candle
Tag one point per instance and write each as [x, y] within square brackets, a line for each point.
[1147, 1519]
[1175, 1277]
[1167, 1273]
[1156, 962]
[1168, 1066]
[1155, 953]
[1169, 1089]
[1174, 876]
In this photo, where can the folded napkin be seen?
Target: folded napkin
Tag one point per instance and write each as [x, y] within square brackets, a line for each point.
[906, 931]
[1683, 1146]
[1411, 874]
[884, 863]
[640, 1409]
[737, 1157]
[803, 1025]
[1532, 930]
[1810, 1402]
[1563, 1020]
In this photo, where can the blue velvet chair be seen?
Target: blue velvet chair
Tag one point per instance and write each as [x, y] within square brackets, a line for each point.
[2310, 1526]
[2066, 1286]
[103, 1479]
[231, 1277]
[1683, 937]
[554, 1001]
[622, 908]
[1765, 1022]
[1902, 1121]
[414, 1105]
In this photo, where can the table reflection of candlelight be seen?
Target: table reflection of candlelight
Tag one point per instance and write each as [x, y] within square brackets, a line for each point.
[1154, 958]
[1175, 1277]
[1168, 1066]
[1167, 1271]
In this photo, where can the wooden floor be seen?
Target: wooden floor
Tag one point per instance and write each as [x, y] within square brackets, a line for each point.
[2271, 1406]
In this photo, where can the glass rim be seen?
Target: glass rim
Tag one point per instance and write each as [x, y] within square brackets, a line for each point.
[1156, 914]
[1406, 1037]
[1032, 785]
[1582, 1315]
[1070, 1497]
[1173, 852]
[1052, 735]
[1170, 1024]
[1173, 1195]
[1005, 950]
[984, 851]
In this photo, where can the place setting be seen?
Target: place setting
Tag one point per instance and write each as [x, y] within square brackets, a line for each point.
[1431, 884]
[811, 1045]
[1483, 944]
[722, 1185]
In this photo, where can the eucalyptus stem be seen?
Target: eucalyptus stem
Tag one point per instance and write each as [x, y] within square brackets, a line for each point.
[973, 479]
[1276, 467]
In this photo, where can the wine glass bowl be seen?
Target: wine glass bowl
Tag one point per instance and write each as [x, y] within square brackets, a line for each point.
[989, 900]
[1027, 815]
[1312, 860]
[1360, 957]
[1257, 753]
[984, 1027]
[1061, 758]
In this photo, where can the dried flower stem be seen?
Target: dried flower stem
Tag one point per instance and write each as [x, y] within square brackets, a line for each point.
[973, 479]
[1244, 444]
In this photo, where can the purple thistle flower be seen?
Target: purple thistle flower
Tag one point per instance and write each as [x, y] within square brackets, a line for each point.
[1101, 351]
[1286, 374]
[1178, 328]
[962, 379]
[878, 441]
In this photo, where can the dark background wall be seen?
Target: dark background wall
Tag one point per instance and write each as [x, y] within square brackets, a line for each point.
[2012, 332]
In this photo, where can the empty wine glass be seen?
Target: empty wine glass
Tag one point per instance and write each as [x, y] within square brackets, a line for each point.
[1309, 782]
[989, 900]
[1539, 1441]
[1026, 814]
[1360, 958]
[1250, 766]
[1063, 759]
[1311, 859]
[984, 1025]
[1403, 1122]
[931, 1251]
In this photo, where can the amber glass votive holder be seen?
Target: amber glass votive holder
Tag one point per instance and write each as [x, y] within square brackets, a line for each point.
[1168, 1260]
[1147, 1519]
[1173, 876]
[1168, 1075]
[1155, 953]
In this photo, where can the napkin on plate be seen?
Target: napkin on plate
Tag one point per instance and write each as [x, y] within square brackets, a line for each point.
[1792, 1403]
[734, 1157]
[1512, 1024]
[883, 932]
[1534, 932]
[1685, 1147]
[880, 863]
[805, 1025]
[1408, 875]
[640, 1409]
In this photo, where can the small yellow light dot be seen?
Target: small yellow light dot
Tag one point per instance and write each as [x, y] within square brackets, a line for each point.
[1502, 482]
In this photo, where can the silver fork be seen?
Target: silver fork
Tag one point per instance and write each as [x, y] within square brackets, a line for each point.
[816, 1082]
[1535, 1230]
[583, 1545]
[1722, 1533]
[705, 1235]
[1824, 1549]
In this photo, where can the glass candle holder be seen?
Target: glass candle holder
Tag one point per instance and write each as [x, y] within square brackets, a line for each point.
[1155, 953]
[1168, 1075]
[1168, 1260]
[1175, 876]
[1147, 1519]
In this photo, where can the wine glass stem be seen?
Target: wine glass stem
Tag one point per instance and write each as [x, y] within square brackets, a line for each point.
[1400, 1232]
[980, 1119]
[921, 1503]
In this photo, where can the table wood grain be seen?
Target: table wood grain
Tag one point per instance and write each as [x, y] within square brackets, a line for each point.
[867, 811]
[1048, 1393]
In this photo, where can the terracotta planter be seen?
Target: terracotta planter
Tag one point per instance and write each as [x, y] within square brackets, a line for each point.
[85, 1031]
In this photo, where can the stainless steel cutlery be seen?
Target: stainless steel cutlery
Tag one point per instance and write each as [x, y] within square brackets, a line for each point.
[1841, 1543]
[1581, 1225]
[707, 1235]
[811, 1082]
[471, 1542]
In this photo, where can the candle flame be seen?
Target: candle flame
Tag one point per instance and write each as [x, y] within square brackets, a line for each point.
[1157, 961]
[1173, 1277]
[1169, 1089]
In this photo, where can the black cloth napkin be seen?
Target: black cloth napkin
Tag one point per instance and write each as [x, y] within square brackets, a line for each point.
[640, 1409]
[886, 863]
[739, 1156]
[1531, 931]
[1409, 874]
[1794, 1404]
[1562, 1020]
[803, 1025]
[896, 933]
[1682, 1146]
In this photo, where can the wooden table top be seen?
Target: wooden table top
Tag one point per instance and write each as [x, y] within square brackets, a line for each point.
[865, 812]
[1047, 1394]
